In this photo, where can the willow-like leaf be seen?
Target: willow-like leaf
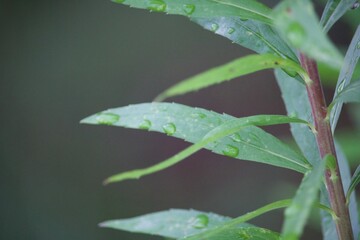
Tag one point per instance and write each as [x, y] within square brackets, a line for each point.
[247, 9]
[297, 23]
[346, 74]
[232, 70]
[206, 129]
[297, 213]
[334, 10]
[226, 227]
[351, 93]
[174, 223]
[355, 180]
[251, 34]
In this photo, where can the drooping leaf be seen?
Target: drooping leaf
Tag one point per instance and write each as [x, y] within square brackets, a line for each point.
[300, 107]
[346, 73]
[231, 70]
[195, 125]
[251, 34]
[247, 9]
[354, 182]
[297, 23]
[174, 223]
[334, 10]
[297, 213]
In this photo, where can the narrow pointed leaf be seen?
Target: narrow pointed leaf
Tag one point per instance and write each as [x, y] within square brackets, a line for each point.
[334, 10]
[174, 223]
[354, 182]
[225, 227]
[194, 125]
[346, 73]
[248, 9]
[351, 93]
[298, 212]
[251, 34]
[297, 23]
[229, 71]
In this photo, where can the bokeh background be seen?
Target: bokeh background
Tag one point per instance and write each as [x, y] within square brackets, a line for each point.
[61, 61]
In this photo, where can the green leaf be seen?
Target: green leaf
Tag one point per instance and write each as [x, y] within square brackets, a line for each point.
[346, 73]
[298, 212]
[334, 10]
[225, 227]
[174, 223]
[354, 182]
[225, 230]
[251, 34]
[247, 9]
[351, 93]
[205, 128]
[231, 70]
[297, 23]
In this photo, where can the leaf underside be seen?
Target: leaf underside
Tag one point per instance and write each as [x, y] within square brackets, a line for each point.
[193, 125]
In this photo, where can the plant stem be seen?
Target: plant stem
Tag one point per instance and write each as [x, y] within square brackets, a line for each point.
[326, 146]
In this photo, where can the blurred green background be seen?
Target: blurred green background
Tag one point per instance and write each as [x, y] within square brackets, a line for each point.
[61, 61]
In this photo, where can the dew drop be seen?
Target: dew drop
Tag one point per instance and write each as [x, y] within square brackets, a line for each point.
[169, 129]
[231, 30]
[230, 151]
[293, 115]
[341, 85]
[189, 9]
[157, 5]
[296, 34]
[145, 125]
[214, 27]
[236, 137]
[107, 118]
[358, 45]
[249, 33]
[243, 19]
[201, 221]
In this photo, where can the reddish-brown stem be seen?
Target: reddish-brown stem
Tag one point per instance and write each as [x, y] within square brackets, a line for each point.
[326, 146]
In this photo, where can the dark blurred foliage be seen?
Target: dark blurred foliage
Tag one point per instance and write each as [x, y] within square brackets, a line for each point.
[61, 61]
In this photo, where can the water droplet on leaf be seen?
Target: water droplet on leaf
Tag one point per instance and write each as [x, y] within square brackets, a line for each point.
[169, 129]
[341, 86]
[157, 5]
[296, 34]
[355, 5]
[107, 118]
[230, 151]
[145, 125]
[231, 30]
[201, 221]
[189, 9]
[243, 19]
[214, 27]
[236, 137]
[358, 45]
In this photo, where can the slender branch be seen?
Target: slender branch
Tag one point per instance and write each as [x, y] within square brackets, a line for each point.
[326, 146]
